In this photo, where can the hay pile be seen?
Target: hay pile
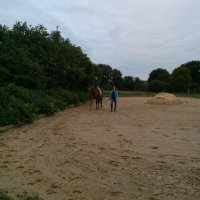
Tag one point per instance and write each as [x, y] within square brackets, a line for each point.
[164, 99]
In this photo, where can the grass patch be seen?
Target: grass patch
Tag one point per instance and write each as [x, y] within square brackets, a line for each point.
[149, 94]
[26, 196]
[193, 95]
[131, 94]
[4, 195]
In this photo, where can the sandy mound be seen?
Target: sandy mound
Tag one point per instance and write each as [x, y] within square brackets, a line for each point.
[164, 99]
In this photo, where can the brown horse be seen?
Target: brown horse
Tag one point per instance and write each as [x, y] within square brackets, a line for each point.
[95, 94]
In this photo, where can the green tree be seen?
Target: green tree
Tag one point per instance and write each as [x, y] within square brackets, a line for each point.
[4, 76]
[180, 80]
[194, 67]
[128, 83]
[117, 78]
[159, 80]
[106, 75]
[158, 86]
[140, 85]
[159, 74]
[33, 58]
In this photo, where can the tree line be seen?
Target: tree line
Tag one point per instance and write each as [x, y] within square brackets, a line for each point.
[33, 58]
[185, 78]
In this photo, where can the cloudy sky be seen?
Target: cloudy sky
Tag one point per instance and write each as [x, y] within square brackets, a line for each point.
[134, 36]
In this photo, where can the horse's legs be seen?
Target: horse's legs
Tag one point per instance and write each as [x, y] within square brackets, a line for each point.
[91, 103]
[97, 104]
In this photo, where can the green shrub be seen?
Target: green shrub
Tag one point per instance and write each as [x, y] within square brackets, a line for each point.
[34, 197]
[66, 96]
[73, 98]
[60, 95]
[14, 110]
[18, 104]
[45, 104]
[83, 96]
[28, 96]
[4, 195]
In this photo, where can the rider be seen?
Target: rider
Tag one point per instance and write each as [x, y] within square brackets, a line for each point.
[96, 84]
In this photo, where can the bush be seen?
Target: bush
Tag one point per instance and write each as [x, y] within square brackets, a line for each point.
[60, 95]
[73, 98]
[4, 195]
[14, 110]
[68, 97]
[28, 96]
[18, 104]
[45, 104]
[83, 96]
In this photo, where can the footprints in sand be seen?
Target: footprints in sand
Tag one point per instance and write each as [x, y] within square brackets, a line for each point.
[76, 178]
[33, 175]
[20, 167]
[77, 192]
[4, 166]
[51, 191]
[126, 157]
[106, 159]
[154, 147]
[114, 163]
[33, 171]
[55, 186]
[2, 144]
[124, 141]
[116, 193]
[129, 141]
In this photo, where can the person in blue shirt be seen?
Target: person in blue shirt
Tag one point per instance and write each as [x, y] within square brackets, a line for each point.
[113, 98]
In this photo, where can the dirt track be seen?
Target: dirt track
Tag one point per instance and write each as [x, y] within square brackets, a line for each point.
[140, 152]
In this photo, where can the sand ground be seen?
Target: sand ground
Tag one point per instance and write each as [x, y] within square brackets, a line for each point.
[142, 151]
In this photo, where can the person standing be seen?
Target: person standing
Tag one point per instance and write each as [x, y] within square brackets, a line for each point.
[113, 98]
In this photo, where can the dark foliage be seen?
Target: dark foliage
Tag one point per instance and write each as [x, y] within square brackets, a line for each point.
[18, 104]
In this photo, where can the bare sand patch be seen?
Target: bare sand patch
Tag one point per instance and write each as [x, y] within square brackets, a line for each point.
[140, 152]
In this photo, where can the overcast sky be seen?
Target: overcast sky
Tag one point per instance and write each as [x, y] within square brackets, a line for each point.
[134, 36]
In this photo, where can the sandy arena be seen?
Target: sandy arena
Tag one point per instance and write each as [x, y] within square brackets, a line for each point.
[140, 152]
